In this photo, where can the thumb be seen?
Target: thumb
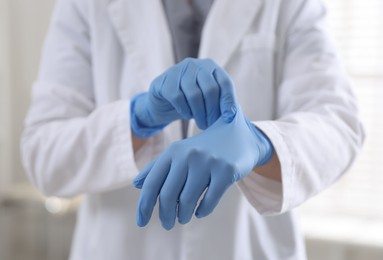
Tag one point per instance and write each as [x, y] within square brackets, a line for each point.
[228, 100]
[138, 182]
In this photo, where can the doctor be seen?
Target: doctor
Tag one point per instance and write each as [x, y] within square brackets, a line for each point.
[277, 118]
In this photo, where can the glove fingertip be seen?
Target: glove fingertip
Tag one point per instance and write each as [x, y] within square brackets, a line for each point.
[201, 124]
[138, 183]
[140, 220]
[201, 213]
[198, 215]
[167, 226]
[139, 180]
[143, 214]
[203, 210]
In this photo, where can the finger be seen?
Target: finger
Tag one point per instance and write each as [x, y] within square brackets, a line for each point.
[228, 102]
[213, 195]
[170, 193]
[140, 178]
[195, 185]
[193, 94]
[151, 189]
[171, 90]
[210, 91]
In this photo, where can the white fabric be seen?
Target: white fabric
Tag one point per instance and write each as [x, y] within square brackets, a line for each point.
[77, 138]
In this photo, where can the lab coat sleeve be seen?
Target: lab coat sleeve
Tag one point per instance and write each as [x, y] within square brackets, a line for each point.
[70, 146]
[317, 134]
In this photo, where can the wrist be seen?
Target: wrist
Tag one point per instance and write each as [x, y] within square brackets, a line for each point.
[265, 147]
[140, 108]
[142, 123]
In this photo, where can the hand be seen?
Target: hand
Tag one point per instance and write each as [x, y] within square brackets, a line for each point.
[212, 160]
[191, 89]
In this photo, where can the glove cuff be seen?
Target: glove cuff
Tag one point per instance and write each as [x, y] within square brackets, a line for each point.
[139, 129]
[266, 149]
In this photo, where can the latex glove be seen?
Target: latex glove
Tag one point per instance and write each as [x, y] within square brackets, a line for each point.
[212, 160]
[187, 90]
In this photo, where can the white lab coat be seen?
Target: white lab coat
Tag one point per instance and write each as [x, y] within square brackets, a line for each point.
[77, 140]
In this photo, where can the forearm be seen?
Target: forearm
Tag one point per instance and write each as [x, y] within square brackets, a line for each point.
[137, 142]
[271, 170]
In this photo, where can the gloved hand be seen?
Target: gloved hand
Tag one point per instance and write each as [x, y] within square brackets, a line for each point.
[187, 90]
[212, 160]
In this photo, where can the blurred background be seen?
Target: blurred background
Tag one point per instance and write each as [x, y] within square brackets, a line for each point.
[344, 222]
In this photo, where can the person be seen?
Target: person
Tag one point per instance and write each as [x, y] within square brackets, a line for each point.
[116, 106]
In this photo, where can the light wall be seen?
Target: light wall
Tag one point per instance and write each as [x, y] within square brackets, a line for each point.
[23, 25]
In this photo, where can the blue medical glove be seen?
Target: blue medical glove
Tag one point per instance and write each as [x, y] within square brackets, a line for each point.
[212, 160]
[187, 90]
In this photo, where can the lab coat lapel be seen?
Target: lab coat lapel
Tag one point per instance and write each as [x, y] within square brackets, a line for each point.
[142, 28]
[225, 26]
